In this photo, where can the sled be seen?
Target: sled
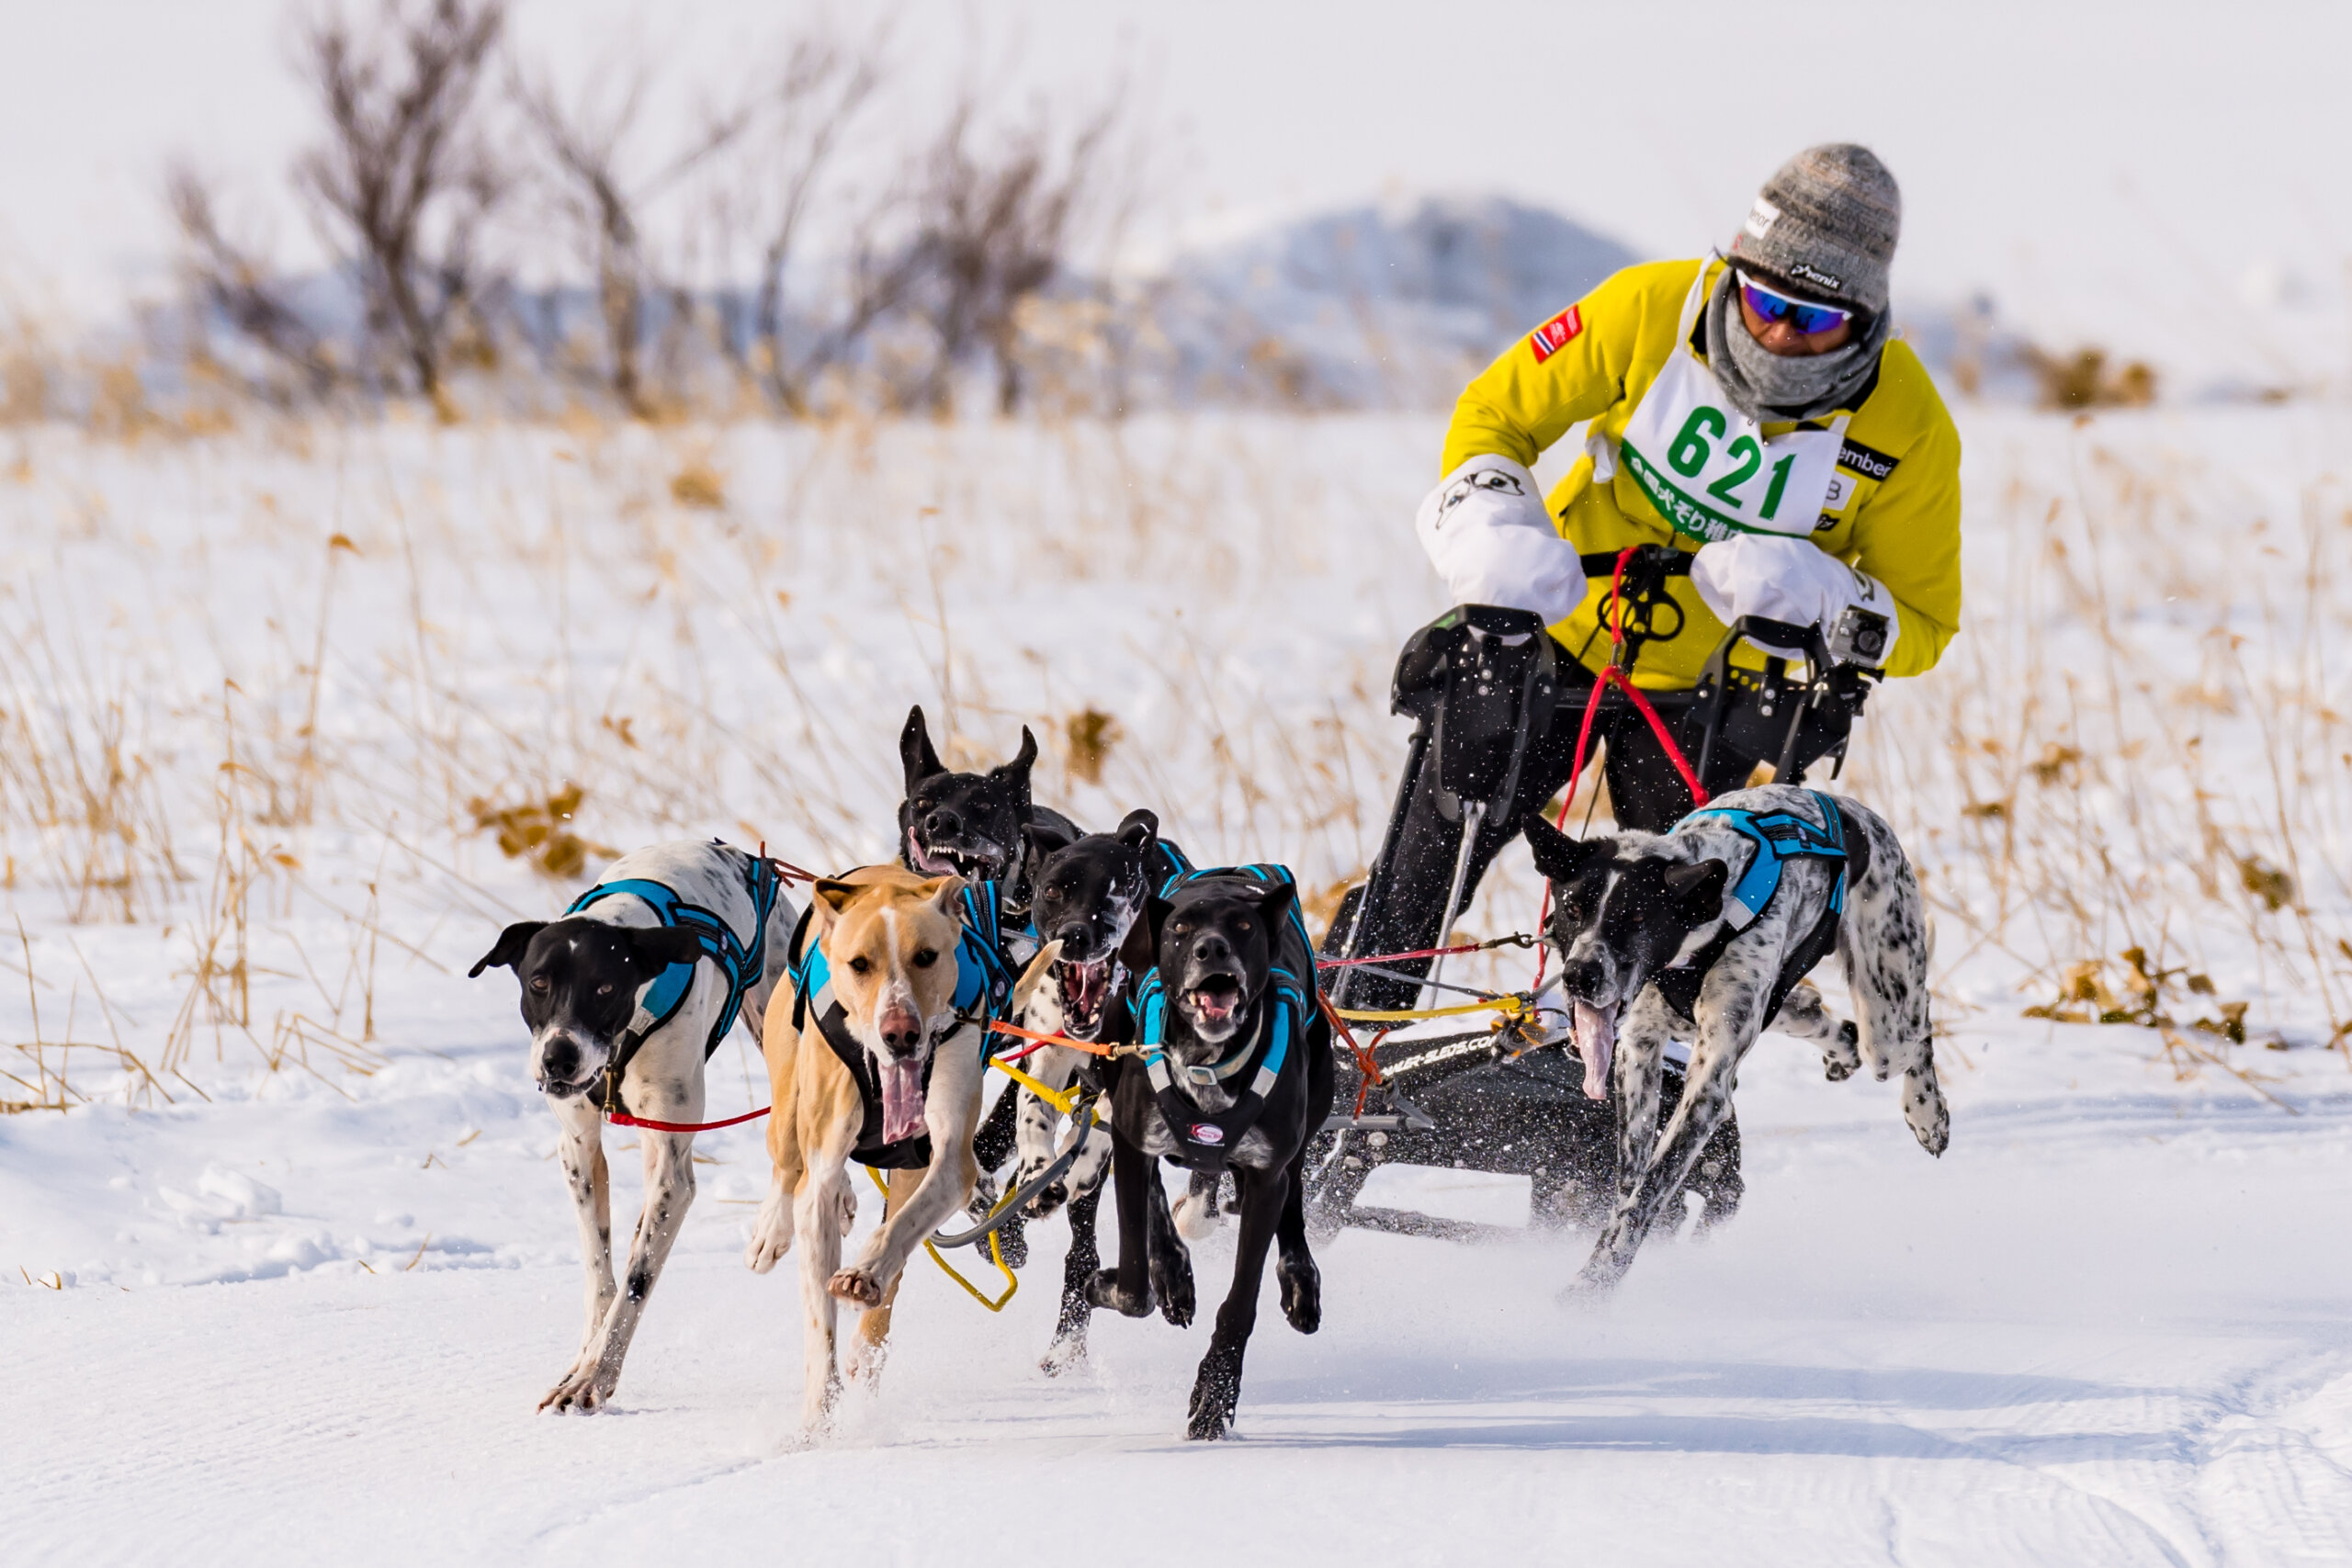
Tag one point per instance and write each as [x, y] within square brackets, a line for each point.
[1505, 1093]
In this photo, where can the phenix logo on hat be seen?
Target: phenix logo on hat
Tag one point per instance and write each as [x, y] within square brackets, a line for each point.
[1828, 218]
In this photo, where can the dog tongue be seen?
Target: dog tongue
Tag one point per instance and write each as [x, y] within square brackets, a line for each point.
[901, 1100]
[1596, 1037]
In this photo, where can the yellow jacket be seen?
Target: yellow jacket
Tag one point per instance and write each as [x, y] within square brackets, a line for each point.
[1898, 518]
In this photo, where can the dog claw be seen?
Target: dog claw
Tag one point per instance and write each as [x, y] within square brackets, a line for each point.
[580, 1390]
[856, 1287]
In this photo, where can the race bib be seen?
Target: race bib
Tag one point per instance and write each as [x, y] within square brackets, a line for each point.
[1708, 468]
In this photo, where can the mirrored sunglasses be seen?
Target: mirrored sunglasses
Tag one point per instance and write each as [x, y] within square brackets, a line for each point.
[1802, 315]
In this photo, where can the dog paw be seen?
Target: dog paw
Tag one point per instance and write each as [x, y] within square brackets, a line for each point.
[1837, 1071]
[1302, 1288]
[1196, 1217]
[984, 1197]
[1936, 1137]
[771, 1239]
[583, 1388]
[1012, 1243]
[1214, 1396]
[1171, 1283]
[1049, 1198]
[1067, 1353]
[1103, 1291]
[856, 1287]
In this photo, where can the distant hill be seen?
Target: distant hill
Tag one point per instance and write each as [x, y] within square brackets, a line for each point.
[1381, 304]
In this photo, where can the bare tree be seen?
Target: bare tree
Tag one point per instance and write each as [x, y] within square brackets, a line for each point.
[589, 147]
[818, 94]
[233, 281]
[402, 181]
[995, 228]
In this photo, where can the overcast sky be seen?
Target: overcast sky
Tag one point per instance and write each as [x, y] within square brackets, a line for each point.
[2134, 170]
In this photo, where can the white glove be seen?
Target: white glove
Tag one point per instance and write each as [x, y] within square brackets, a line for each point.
[1786, 579]
[1486, 532]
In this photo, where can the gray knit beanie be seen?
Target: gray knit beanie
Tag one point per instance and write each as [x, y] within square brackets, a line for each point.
[1826, 223]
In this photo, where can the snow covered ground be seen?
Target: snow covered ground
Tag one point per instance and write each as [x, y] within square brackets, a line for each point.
[287, 1279]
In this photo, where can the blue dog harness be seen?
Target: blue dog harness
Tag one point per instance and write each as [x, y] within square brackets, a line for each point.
[983, 995]
[1780, 836]
[1206, 1139]
[741, 963]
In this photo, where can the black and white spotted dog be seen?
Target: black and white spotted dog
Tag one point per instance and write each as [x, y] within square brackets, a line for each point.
[626, 995]
[1090, 897]
[984, 828]
[1703, 933]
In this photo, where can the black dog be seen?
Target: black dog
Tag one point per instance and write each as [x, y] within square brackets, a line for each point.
[983, 827]
[1090, 897]
[1235, 1074]
[974, 826]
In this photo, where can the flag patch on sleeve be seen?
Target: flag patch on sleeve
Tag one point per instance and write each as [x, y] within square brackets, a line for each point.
[1555, 334]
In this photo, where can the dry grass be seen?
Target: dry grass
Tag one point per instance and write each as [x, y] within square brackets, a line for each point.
[2140, 813]
[2145, 776]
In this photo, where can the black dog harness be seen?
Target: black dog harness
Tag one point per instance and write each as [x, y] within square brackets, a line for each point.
[740, 961]
[1206, 1139]
[1779, 837]
[983, 993]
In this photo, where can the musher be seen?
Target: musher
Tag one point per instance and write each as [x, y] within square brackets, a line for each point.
[1755, 415]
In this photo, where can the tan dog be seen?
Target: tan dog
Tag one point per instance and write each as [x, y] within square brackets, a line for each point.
[891, 940]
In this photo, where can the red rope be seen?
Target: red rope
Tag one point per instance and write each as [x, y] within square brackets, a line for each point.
[785, 869]
[1367, 1064]
[1612, 673]
[623, 1118]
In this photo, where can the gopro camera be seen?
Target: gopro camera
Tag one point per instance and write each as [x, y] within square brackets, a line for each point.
[1859, 638]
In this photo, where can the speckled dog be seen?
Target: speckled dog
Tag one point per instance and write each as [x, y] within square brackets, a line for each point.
[1704, 933]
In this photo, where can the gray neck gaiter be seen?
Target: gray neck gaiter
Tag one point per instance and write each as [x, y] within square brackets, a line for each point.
[1767, 386]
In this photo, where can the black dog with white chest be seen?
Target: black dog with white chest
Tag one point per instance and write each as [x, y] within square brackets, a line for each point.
[1234, 1074]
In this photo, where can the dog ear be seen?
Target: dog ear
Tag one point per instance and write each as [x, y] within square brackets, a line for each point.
[507, 952]
[827, 899]
[655, 948]
[1034, 977]
[1698, 888]
[943, 892]
[1140, 951]
[1276, 903]
[1016, 772]
[1138, 828]
[915, 749]
[1557, 856]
